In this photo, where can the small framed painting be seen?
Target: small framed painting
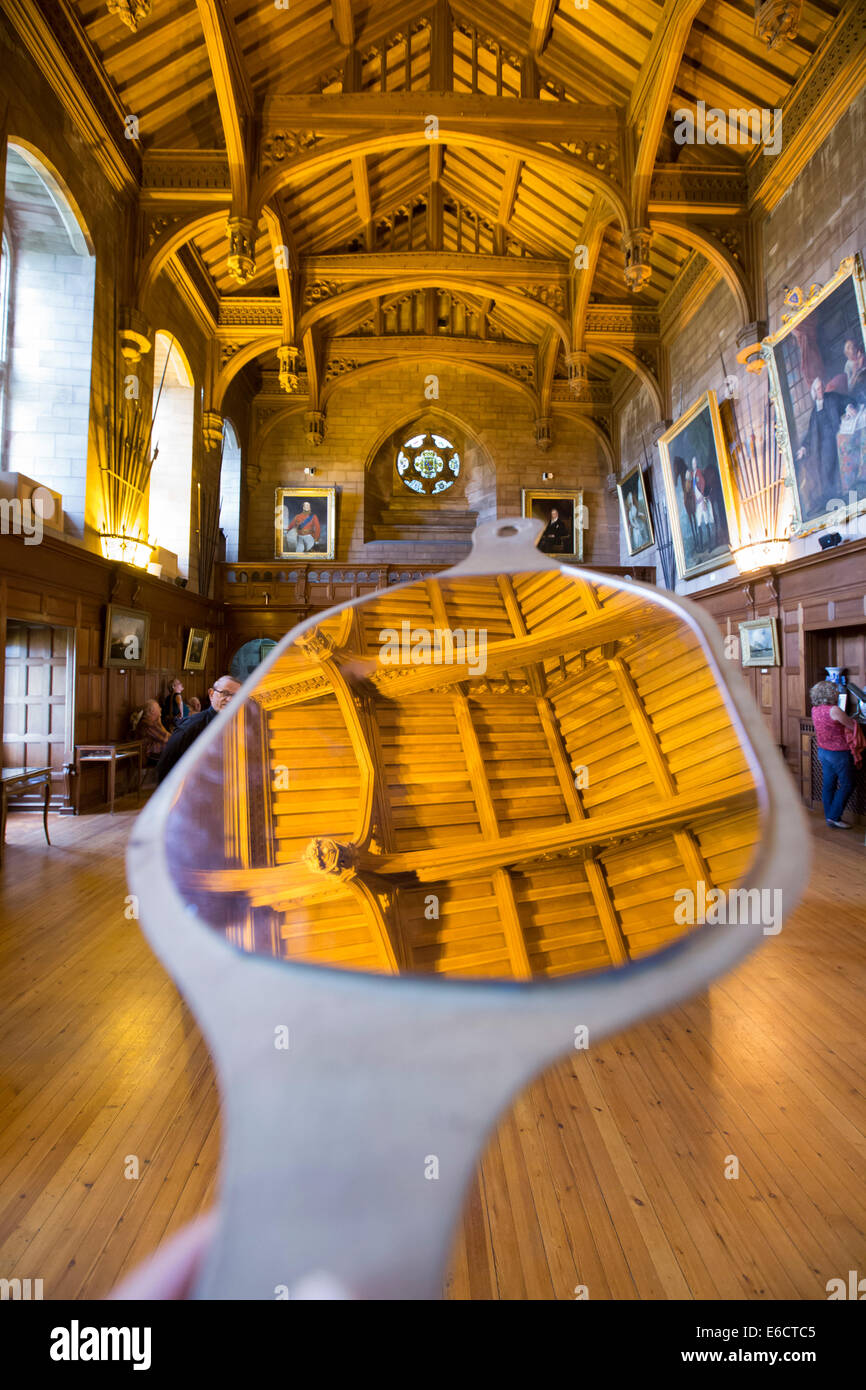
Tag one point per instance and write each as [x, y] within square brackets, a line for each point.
[304, 522]
[196, 649]
[126, 634]
[564, 518]
[759, 640]
[635, 509]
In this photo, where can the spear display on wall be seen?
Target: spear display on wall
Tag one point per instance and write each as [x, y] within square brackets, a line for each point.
[661, 525]
[760, 485]
[209, 509]
[125, 474]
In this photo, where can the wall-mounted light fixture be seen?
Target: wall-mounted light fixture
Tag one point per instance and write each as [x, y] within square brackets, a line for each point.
[310, 472]
[547, 477]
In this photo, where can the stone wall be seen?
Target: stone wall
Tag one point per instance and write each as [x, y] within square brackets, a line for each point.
[499, 419]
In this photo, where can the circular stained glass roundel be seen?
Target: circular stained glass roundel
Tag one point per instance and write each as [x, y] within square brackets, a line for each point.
[428, 464]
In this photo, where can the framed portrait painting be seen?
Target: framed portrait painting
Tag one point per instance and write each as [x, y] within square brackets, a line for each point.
[126, 634]
[305, 523]
[759, 641]
[564, 519]
[196, 649]
[699, 490]
[817, 365]
[634, 506]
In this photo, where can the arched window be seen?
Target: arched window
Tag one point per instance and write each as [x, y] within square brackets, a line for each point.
[5, 286]
[48, 274]
[171, 479]
[230, 491]
[429, 464]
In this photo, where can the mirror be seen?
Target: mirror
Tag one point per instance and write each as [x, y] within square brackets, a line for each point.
[501, 776]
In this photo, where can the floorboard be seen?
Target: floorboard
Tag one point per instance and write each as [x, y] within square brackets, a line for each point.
[607, 1175]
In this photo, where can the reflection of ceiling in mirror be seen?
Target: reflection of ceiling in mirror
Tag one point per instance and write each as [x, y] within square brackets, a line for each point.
[493, 777]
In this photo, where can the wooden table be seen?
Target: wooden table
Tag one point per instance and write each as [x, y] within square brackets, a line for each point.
[110, 754]
[16, 781]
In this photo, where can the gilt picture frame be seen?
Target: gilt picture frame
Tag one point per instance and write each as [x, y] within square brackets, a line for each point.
[817, 368]
[305, 529]
[759, 642]
[699, 488]
[196, 649]
[634, 509]
[564, 518]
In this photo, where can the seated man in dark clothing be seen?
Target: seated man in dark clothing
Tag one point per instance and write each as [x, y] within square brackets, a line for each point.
[185, 735]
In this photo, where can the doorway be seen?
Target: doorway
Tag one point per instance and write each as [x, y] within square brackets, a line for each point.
[38, 700]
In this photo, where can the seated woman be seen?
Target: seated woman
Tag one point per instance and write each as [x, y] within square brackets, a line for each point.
[153, 732]
[834, 754]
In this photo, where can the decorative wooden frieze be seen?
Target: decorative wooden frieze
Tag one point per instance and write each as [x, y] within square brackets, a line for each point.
[250, 312]
[703, 187]
[602, 155]
[202, 170]
[595, 393]
[159, 223]
[319, 290]
[341, 366]
[636, 246]
[551, 295]
[621, 318]
[281, 145]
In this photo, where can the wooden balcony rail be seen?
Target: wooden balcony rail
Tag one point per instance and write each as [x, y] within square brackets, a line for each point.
[309, 586]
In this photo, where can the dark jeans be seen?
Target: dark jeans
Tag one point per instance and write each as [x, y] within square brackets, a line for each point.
[838, 780]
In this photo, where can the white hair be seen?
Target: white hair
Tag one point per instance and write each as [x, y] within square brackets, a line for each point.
[814, 387]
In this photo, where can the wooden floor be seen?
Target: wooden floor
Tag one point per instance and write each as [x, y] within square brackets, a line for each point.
[609, 1172]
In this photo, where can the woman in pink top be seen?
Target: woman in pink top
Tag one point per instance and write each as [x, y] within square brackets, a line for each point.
[834, 755]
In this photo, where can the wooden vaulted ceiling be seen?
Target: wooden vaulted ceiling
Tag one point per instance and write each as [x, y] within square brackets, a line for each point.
[606, 55]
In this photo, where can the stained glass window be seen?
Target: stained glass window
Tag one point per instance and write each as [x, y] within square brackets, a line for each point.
[428, 464]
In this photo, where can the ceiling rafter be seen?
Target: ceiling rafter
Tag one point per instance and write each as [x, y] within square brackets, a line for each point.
[234, 97]
[343, 21]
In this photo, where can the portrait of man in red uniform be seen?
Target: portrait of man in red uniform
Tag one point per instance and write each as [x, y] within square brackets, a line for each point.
[303, 531]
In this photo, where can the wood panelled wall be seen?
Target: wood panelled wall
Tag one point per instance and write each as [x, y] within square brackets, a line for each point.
[820, 602]
[60, 585]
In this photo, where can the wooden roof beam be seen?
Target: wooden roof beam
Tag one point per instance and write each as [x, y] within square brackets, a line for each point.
[343, 21]
[361, 181]
[540, 25]
[647, 109]
[285, 259]
[593, 630]
[589, 836]
[234, 97]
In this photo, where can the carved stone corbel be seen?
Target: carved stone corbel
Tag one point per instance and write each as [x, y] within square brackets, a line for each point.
[288, 360]
[544, 433]
[749, 344]
[314, 422]
[212, 429]
[242, 248]
[135, 335]
[636, 246]
[578, 374]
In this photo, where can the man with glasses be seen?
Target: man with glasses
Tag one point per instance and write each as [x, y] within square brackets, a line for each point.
[220, 696]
